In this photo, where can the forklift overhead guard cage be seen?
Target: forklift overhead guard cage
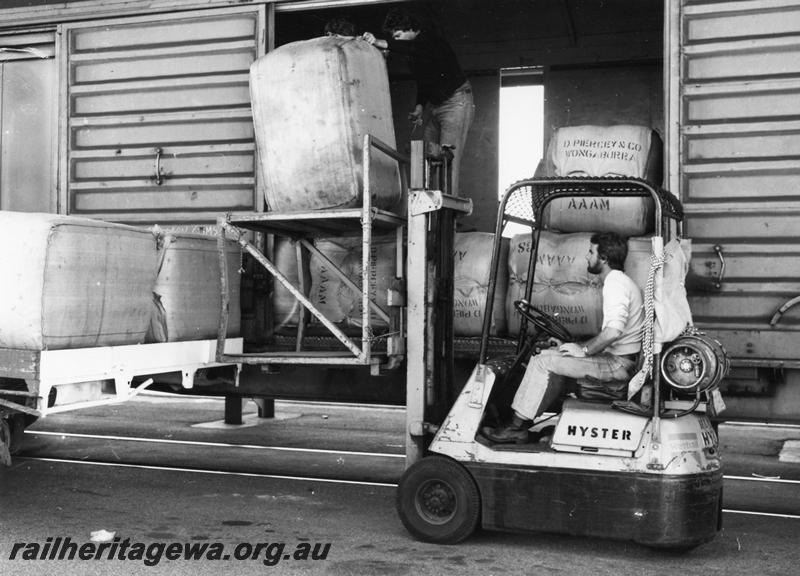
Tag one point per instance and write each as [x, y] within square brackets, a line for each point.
[524, 203]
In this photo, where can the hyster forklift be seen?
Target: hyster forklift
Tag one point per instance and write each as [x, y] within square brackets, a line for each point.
[646, 469]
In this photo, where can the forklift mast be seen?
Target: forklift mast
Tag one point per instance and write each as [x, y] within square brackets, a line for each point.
[431, 230]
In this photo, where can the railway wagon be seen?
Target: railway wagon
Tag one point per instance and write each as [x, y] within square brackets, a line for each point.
[140, 113]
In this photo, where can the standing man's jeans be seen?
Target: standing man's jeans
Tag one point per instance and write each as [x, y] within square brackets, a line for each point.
[543, 381]
[449, 124]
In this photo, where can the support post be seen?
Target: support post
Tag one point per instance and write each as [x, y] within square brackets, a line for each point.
[233, 409]
[266, 406]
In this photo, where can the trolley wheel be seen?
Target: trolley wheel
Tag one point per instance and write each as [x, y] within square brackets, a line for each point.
[11, 431]
[438, 501]
[18, 423]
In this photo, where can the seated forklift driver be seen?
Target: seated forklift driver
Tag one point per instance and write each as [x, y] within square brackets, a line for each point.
[609, 356]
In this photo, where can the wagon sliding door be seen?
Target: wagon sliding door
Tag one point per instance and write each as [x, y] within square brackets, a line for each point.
[27, 129]
[157, 121]
[739, 175]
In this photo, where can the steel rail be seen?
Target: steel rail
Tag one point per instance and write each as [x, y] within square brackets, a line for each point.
[760, 479]
[306, 479]
[213, 444]
[206, 471]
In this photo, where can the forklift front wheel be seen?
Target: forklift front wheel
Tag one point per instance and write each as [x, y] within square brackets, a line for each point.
[438, 501]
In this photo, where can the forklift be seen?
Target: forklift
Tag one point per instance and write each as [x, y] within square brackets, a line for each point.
[646, 471]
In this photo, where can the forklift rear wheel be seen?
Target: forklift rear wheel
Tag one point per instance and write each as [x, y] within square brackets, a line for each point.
[438, 501]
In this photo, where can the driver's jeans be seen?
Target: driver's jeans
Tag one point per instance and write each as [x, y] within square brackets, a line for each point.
[547, 372]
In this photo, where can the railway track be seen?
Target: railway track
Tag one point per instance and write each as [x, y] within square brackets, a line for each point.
[751, 495]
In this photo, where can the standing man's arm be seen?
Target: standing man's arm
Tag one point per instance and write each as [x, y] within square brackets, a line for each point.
[377, 42]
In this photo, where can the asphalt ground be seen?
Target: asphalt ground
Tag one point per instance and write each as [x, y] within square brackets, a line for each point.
[748, 450]
[168, 469]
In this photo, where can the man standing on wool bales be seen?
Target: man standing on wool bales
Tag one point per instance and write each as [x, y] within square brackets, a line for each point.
[440, 82]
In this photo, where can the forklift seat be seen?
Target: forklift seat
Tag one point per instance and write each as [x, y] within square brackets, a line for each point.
[590, 388]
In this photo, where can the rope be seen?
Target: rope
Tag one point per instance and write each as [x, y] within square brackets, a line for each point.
[648, 341]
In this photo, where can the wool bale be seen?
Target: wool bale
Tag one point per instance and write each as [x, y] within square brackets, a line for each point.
[637, 263]
[73, 282]
[337, 300]
[626, 216]
[287, 309]
[329, 294]
[188, 287]
[560, 258]
[472, 254]
[322, 96]
[382, 271]
[519, 253]
[622, 150]
[575, 305]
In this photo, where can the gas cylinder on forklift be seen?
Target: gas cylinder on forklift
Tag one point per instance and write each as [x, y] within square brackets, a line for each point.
[651, 475]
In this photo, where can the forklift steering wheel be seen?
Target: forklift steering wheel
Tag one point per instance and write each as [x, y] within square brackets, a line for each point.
[543, 321]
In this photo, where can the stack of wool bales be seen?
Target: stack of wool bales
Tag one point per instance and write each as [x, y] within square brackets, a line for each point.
[472, 255]
[72, 282]
[562, 285]
[325, 284]
[188, 288]
[321, 97]
[82, 283]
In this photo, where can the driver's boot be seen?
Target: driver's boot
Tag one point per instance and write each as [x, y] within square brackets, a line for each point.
[516, 432]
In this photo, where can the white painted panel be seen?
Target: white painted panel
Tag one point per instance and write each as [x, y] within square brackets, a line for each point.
[173, 166]
[749, 184]
[745, 105]
[201, 129]
[141, 201]
[751, 225]
[27, 108]
[165, 31]
[743, 146]
[224, 58]
[754, 61]
[159, 98]
[752, 18]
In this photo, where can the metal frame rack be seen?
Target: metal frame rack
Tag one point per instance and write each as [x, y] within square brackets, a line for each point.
[304, 227]
[421, 330]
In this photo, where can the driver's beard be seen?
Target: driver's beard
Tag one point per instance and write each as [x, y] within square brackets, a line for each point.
[594, 269]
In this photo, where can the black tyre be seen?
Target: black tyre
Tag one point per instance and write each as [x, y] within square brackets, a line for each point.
[438, 501]
[17, 425]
